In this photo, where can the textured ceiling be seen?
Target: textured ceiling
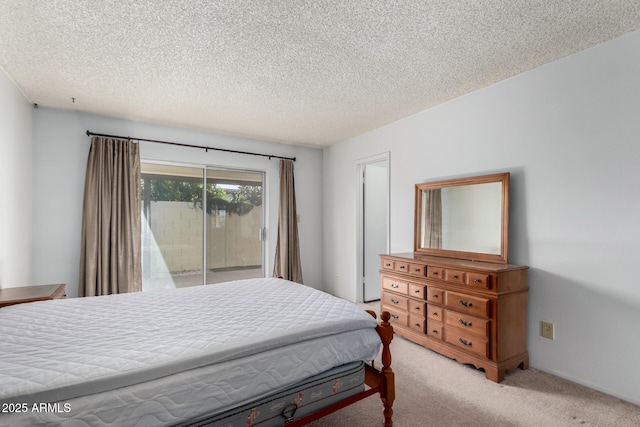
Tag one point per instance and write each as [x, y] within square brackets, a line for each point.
[310, 72]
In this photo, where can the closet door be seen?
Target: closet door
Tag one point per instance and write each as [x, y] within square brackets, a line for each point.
[375, 225]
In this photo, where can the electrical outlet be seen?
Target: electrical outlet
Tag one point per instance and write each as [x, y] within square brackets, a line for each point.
[547, 330]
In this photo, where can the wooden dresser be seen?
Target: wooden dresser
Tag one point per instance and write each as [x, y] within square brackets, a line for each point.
[25, 294]
[473, 312]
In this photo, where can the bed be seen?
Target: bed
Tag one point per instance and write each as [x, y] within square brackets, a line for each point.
[249, 352]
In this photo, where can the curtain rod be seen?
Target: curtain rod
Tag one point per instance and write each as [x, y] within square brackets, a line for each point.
[89, 133]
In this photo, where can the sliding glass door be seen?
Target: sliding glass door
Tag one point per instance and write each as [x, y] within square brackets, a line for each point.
[200, 225]
[234, 225]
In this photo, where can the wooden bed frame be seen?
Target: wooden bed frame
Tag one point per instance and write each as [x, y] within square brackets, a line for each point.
[379, 381]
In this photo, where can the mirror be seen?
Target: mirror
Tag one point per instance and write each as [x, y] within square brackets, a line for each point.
[463, 218]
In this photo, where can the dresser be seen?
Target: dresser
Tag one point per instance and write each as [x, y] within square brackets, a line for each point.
[25, 294]
[473, 312]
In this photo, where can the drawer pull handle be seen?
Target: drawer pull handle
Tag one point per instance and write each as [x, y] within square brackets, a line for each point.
[476, 280]
[434, 296]
[465, 303]
[418, 325]
[464, 342]
[435, 313]
[455, 276]
[417, 291]
[395, 301]
[435, 273]
[395, 285]
[435, 331]
[402, 267]
[418, 308]
[395, 316]
[464, 322]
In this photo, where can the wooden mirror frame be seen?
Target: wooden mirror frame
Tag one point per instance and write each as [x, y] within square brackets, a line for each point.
[502, 257]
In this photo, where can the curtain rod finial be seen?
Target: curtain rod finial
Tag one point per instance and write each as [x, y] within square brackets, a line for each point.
[88, 133]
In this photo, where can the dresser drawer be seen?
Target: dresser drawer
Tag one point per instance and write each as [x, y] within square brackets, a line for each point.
[434, 329]
[417, 291]
[475, 325]
[435, 273]
[435, 295]
[396, 301]
[417, 323]
[395, 285]
[388, 264]
[479, 279]
[418, 270]
[417, 308]
[398, 317]
[434, 313]
[468, 341]
[402, 267]
[455, 276]
[467, 304]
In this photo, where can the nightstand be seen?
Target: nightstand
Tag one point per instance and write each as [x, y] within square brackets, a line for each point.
[11, 296]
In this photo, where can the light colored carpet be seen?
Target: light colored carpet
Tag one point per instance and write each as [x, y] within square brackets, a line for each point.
[433, 390]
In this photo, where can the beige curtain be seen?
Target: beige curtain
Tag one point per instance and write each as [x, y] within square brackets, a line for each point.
[433, 230]
[287, 262]
[110, 260]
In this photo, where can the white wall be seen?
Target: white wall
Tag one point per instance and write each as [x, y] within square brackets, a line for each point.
[15, 185]
[61, 146]
[569, 132]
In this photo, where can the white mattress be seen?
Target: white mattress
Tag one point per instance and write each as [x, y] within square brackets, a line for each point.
[158, 358]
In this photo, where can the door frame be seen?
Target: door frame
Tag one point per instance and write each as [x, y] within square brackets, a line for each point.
[360, 166]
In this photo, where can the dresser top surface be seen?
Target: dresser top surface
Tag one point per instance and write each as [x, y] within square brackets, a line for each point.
[34, 293]
[454, 262]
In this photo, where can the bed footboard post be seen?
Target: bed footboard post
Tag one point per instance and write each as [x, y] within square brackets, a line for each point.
[387, 392]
